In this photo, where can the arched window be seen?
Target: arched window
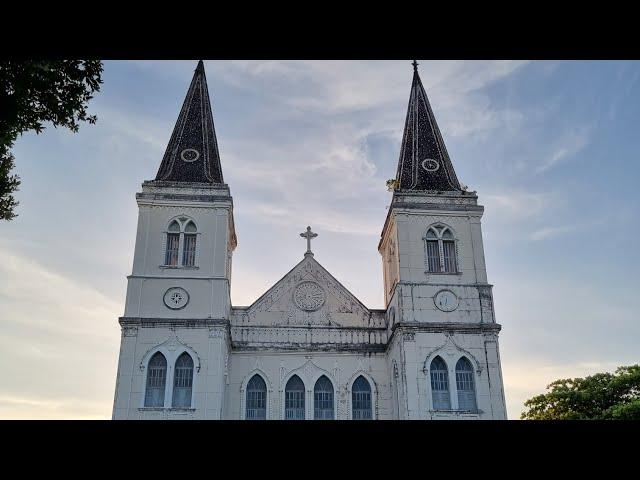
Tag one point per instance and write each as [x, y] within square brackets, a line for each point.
[183, 381]
[156, 381]
[361, 399]
[294, 399]
[256, 399]
[441, 250]
[440, 385]
[323, 399]
[465, 385]
[182, 236]
[173, 244]
[189, 251]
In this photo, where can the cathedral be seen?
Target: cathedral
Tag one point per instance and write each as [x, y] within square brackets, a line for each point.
[307, 348]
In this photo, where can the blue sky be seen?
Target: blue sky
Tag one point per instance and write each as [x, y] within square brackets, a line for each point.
[551, 148]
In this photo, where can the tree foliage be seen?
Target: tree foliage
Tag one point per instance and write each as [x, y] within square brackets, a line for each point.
[603, 396]
[33, 92]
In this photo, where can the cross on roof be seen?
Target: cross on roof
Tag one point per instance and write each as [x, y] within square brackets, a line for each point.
[308, 235]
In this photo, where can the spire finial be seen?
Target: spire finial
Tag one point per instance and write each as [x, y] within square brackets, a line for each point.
[415, 65]
[200, 67]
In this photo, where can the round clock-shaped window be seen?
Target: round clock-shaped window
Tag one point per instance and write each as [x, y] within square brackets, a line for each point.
[446, 300]
[309, 296]
[176, 298]
[430, 165]
[189, 155]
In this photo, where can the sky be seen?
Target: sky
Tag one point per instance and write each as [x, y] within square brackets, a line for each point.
[551, 148]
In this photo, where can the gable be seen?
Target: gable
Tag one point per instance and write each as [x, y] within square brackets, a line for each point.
[307, 295]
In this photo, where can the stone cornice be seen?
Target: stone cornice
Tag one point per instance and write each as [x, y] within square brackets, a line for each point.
[441, 327]
[173, 322]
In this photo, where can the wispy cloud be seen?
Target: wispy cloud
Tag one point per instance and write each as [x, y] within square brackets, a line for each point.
[565, 148]
[546, 233]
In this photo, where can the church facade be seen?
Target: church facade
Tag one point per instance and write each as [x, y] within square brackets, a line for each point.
[307, 348]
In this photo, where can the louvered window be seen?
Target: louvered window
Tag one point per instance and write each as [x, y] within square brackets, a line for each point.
[441, 250]
[156, 381]
[361, 399]
[183, 381]
[465, 385]
[323, 399]
[181, 243]
[294, 399]
[171, 256]
[440, 385]
[256, 399]
[449, 254]
[189, 254]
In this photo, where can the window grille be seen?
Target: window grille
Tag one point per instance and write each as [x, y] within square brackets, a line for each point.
[441, 250]
[183, 381]
[156, 381]
[440, 385]
[449, 254]
[361, 399]
[433, 255]
[323, 399]
[181, 241]
[294, 399]
[465, 385]
[256, 399]
[189, 253]
[171, 257]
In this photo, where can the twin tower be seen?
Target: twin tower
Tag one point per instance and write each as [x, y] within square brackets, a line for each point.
[307, 348]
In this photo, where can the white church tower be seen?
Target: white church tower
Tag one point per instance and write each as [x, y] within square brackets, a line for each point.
[307, 348]
[175, 324]
[444, 336]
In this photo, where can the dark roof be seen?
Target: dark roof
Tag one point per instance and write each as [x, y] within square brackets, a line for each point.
[192, 154]
[424, 163]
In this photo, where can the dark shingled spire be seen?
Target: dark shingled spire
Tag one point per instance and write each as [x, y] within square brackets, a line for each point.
[192, 154]
[424, 162]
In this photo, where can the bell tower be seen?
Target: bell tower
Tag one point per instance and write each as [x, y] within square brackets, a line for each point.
[435, 281]
[179, 287]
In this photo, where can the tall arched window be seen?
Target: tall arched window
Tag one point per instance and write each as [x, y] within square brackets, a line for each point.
[182, 237]
[465, 385]
[361, 399]
[173, 244]
[156, 381]
[440, 385]
[294, 399]
[189, 251]
[323, 399]
[183, 381]
[441, 250]
[256, 399]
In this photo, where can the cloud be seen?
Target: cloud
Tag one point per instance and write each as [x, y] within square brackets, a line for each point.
[546, 233]
[518, 205]
[58, 350]
[566, 147]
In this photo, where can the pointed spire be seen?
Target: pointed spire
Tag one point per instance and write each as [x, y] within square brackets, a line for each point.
[192, 154]
[424, 163]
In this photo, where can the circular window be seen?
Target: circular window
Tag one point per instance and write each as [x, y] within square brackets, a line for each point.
[189, 155]
[309, 296]
[430, 165]
[176, 298]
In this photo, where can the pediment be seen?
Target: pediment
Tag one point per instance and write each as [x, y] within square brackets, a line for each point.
[308, 295]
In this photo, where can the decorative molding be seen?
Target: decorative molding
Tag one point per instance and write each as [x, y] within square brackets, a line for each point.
[171, 344]
[217, 332]
[451, 349]
[129, 331]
